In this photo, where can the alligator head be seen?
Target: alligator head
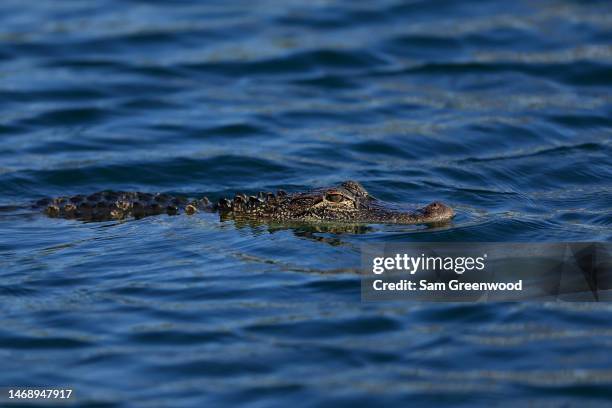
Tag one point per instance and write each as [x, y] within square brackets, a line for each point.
[347, 202]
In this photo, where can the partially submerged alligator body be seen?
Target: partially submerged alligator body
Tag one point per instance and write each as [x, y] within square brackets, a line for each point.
[347, 202]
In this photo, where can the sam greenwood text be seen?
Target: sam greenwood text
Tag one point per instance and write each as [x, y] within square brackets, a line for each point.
[425, 285]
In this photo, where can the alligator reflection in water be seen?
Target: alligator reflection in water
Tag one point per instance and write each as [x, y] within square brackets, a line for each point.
[317, 231]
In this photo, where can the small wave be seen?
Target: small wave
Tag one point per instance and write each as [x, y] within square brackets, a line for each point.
[297, 63]
[561, 150]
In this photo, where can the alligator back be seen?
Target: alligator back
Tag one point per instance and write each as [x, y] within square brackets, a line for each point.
[116, 205]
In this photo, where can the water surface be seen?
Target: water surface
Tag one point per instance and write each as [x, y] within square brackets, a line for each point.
[501, 109]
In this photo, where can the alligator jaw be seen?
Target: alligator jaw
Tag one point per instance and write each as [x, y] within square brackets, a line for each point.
[434, 213]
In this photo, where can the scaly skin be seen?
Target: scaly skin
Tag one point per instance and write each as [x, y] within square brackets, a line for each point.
[348, 202]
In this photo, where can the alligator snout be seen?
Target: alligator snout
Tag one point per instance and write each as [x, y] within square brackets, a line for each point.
[437, 212]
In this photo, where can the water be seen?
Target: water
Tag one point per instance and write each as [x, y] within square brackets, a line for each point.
[502, 109]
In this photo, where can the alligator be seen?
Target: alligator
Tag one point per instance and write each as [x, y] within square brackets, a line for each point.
[348, 202]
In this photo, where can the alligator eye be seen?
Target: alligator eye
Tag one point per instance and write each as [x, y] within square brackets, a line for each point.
[334, 197]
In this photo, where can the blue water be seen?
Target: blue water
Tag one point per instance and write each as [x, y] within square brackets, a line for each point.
[502, 109]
